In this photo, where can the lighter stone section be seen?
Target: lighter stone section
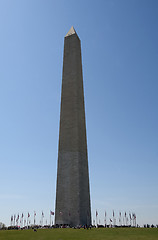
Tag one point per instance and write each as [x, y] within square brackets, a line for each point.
[70, 32]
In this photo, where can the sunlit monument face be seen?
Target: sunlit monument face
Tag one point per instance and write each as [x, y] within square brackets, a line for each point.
[72, 191]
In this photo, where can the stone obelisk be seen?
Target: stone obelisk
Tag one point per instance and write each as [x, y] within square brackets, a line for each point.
[72, 190]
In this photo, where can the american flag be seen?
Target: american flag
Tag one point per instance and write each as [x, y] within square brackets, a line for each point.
[96, 213]
[52, 213]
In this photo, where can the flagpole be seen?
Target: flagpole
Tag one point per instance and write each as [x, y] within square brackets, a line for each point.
[120, 219]
[110, 222]
[130, 218]
[34, 218]
[22, 219]
[14, 220]
[11, 221]
[105, 218]
[133, 218]
[28, 219]
[113, 218]
[96, 218]
[17, 220]
[42, 218]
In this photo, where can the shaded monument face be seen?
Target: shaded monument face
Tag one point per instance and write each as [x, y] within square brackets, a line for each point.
[72, 192]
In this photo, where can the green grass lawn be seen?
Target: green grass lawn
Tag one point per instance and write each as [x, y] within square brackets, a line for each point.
[77, 234]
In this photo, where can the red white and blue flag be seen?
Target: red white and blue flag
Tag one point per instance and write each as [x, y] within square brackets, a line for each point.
[96, 213]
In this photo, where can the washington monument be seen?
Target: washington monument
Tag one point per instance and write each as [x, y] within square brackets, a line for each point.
[72, 189]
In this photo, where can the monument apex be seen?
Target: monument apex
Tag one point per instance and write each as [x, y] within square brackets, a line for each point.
[71, 31]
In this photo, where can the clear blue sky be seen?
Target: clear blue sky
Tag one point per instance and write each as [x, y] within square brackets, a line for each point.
[120, 70]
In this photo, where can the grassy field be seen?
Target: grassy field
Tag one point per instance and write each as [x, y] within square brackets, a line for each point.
[84, 234]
